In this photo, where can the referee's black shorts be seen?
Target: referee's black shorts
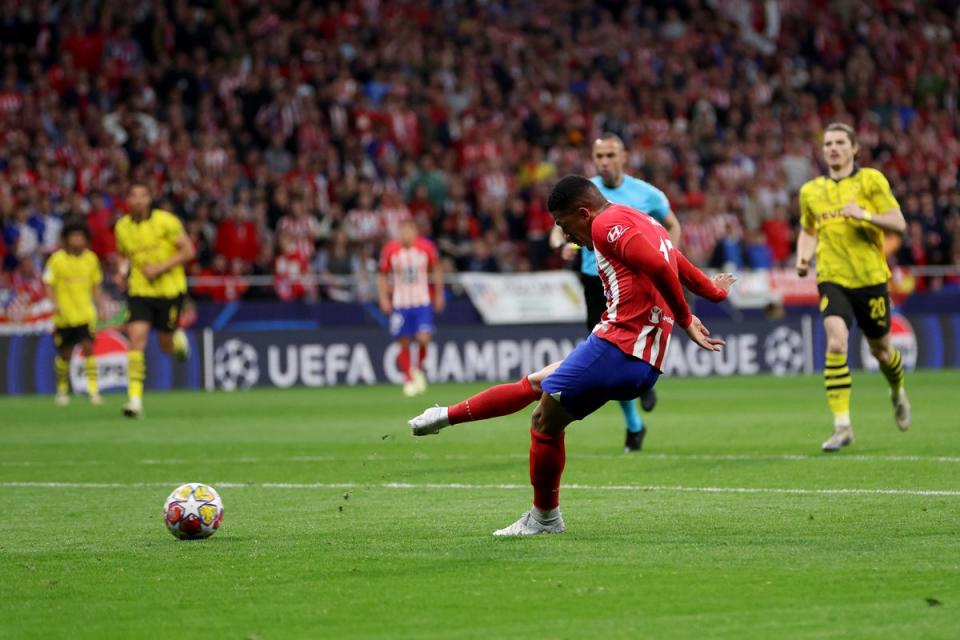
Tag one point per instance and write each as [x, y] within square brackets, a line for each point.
[870, 306]
[596, 300]
[163, 314]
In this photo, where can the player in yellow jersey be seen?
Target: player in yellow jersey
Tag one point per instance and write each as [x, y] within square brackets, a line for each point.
[72, 279]
[844, 217]
[156, 247]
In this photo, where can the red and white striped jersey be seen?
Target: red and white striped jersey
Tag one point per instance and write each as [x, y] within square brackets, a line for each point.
[632, 252]
[410, 269]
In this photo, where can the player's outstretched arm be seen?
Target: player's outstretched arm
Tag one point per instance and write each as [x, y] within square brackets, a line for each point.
[713, 289]
[640, 255]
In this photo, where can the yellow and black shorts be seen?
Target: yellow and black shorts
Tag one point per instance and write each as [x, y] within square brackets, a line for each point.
[72, 336]
[163, 314]
[869, 305]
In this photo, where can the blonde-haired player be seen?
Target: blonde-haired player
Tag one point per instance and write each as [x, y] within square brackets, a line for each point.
[156, 246]
[844, 216]
[72, 279]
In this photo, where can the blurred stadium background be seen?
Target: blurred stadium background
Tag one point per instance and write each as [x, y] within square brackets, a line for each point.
[291, 137]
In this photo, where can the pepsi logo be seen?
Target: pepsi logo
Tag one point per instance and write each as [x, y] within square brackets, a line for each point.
[110, 350]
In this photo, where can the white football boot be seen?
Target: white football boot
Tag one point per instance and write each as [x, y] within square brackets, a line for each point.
[61, 400]
[841, 437]
[528, 525]
[901, 409]
[409, 388]
[96, 399]
[419, 381]
[133, 409]
[429, 422]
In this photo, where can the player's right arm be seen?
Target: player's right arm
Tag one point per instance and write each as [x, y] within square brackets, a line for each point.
[635, 250]
[50, 281]
[713, 289]
[807, 238]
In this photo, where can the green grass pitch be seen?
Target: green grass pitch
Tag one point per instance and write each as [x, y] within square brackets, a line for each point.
[339, 524]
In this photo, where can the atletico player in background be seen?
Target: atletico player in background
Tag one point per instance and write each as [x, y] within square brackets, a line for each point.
[406, 267]
[72, 278]
[643, 276]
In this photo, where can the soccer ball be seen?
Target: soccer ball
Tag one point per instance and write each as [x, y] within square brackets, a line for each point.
[193, 511]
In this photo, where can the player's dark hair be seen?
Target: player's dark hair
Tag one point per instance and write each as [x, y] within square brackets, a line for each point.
[74, 225]
[847, 129]
[573, 192]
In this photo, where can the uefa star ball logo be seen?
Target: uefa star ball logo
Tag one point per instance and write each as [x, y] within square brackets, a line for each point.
[235, 365]
[783, 351]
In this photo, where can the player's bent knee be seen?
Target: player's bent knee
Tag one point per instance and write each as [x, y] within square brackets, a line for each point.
[880, 352]
[166, 342]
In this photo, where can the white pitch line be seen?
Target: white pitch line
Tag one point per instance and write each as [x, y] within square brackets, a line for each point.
[420, 456]
[498, 487]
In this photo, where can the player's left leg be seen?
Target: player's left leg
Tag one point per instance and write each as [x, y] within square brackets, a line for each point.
[61, 368]
[137, 333]
[403, 363]
[872, 308]
[417, 356]
[493, 402]
[90, 369]
[174, 343]
[548, 457]
[596, 371]
[172, 339]
[891, 365]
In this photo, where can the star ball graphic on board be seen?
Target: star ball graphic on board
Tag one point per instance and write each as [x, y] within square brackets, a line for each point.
[783, 351]
[236, 365]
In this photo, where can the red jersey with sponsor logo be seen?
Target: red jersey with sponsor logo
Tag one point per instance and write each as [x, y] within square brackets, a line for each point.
[638, 319]
[410, 268]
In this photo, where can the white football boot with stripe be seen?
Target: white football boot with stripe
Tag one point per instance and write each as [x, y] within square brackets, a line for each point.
[841, 437]
[529, 525]
[429, 422]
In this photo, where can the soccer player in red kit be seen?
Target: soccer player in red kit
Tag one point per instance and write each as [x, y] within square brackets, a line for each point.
[643, 277]
[406, 265]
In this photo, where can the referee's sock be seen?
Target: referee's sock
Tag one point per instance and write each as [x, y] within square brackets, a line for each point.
[838, 383]
[631, 415]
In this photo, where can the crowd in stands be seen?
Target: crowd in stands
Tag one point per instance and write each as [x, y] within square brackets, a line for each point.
[292, 136]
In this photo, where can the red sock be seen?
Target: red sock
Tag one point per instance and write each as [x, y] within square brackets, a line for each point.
[403, 362]
[547, 457]
[417, 353]
[501, 400]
